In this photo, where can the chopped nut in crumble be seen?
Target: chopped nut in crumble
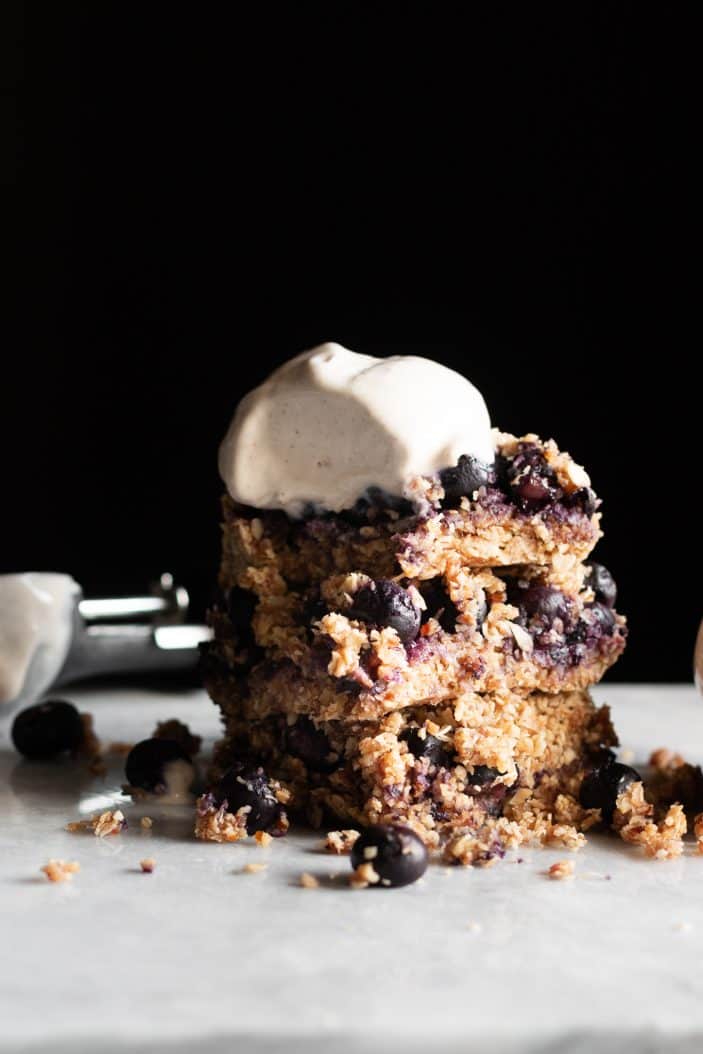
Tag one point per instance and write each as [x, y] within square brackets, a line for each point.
[308, 881]
[61, 870]
[110, 822]
[561, 870]
[634, 820]
[147, 865]
[146, 822]
[262, 839]
[340, 841]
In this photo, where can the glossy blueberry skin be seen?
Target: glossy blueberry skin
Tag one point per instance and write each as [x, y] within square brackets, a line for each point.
[602, 787]
[311, 745]
[47, 729]
[244, 784]
[146, 761]
[440, 606]
[463, 479]
[531, 481]
[602, 583]
[384, 603]
[428, 747]
[482, 776]
[396, 854]
[604, 617]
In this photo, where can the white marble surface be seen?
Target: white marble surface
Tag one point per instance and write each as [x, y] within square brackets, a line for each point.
[201, 957]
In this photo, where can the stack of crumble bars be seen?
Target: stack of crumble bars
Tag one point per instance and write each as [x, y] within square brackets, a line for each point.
[422, 661]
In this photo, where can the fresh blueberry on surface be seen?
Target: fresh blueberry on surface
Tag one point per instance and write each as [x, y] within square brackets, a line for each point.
[602, 787]
[463, 479]
[440, 606]
[244, 785]
[146, 763]
[429, 747]
[396, 854]
[311, 745]
[384, 603]
[602, 583]
[47, 729]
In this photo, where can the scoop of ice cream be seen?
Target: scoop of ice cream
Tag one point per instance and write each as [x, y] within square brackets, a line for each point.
[36, 612]
[330, 424]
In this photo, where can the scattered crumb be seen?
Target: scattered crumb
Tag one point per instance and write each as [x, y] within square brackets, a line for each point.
[683, 927]
[633, 818]
[61, 870]
[146, 822]
[254, 869]
[698, 831]
[663, 758]
[262, 839]
[364, 875]
[110, 822]
[475, 927]
[308, 881]
[627, 756]
[180, 733]
[340, 841]
[562, 869]
[147, 865]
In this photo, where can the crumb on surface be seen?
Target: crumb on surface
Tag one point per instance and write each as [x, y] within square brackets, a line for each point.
[179, 733]
[561, 870]
[254, 869]
[61, 870]
[214, 824]
[662, 758]
[635, 822]
[698, 831]
[147, 865]
[364, 875]
[262, 839]
[308, 881]
[340, 841]
[112, 821]
[146, 822]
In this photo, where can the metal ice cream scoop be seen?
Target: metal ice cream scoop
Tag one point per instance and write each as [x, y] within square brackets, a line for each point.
[50, 635]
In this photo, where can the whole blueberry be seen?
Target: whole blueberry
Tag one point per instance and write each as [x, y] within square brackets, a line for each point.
[543, 602]
[440, 606]
[602, 583]
[246, 785]
[47, 729]
[303, 740]
[602, 787]
[427, 746]
[396, 854]
[146, 763]
[483, 776]
[531, 481]
[602, 618]
[463, 479]
[384, 603]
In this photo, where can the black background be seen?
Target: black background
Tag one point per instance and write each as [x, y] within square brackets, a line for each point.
[205, 192]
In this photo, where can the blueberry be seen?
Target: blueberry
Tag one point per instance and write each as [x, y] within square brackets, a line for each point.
[602, 583]
[247, 785]
[531, 481]
[440, 606]
[47, 729]
[396, 854]
[428, 747]
[603, 618]
[544, 602]
[383, 603]
[311, 745]
[602, 787]
[483, 776]
[146, 763]
[463, 479]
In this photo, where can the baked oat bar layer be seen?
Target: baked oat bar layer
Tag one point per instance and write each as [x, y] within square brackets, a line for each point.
[493, 770]
[352, 646]
[534, 507]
